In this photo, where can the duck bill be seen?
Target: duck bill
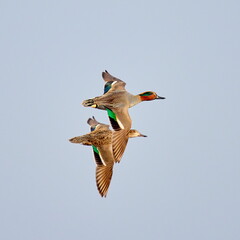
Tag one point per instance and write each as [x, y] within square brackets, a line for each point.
[158, 97]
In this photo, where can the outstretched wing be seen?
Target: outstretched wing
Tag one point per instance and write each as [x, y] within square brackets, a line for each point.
[119, 144]
[104, 160]
[121, 124]
[103, 178]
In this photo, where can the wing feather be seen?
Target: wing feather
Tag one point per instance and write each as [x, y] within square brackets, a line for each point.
[103, 179]
[119, 143]
[121, 124]
[112, 83]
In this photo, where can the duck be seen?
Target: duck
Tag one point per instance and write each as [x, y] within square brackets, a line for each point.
[116, 101]
[100, 138]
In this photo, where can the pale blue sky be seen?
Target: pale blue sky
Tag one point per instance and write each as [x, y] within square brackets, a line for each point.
[180, 183]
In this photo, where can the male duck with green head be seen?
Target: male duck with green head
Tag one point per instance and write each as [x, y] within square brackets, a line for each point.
[116, 100]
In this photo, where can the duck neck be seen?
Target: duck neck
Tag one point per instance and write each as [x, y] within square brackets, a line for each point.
[134, 99]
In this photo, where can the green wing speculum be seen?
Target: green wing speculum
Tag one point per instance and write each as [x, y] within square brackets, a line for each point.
[97, 157]
[113, 119]
[107, 86]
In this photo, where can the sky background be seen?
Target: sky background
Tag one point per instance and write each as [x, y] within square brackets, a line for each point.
[180, 183]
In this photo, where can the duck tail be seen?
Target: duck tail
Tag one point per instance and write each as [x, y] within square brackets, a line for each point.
[84, 140]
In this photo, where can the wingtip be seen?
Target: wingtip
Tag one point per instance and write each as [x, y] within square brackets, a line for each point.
[103, 73]
[92, 121]
[89, 121]
[101, 193]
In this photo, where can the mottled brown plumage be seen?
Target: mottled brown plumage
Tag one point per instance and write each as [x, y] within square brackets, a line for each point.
[97, 138]
[101, 140]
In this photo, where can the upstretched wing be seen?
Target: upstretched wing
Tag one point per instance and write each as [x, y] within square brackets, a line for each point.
[112, 83]
[93, 123]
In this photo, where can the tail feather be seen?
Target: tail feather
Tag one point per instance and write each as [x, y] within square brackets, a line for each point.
[81, 140]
